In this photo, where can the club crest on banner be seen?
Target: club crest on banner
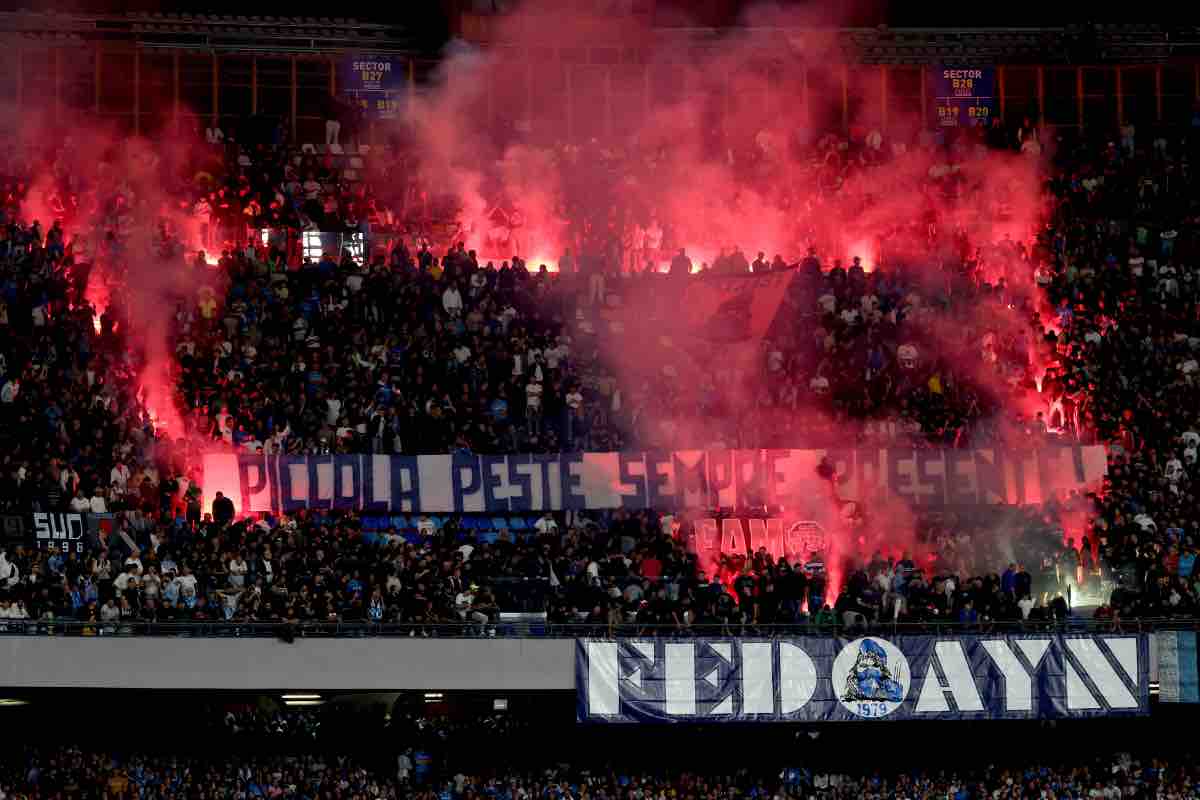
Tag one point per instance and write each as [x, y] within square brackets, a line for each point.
[808, 536]
[871, 677]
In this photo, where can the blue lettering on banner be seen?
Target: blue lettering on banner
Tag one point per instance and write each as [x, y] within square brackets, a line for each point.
[379, 484]
[406, 500]
[250, 488]
[571, 481]
[544, 460]
[720, 474]
[656, 481]
[868, 473]
[814, 679]
[521, 482]
[931, 475]
[900, 472]
[959, 475]
[690, 480]
[492, 482]
[989, 476]
[747, 476]
[459, 464]
[1018, 467]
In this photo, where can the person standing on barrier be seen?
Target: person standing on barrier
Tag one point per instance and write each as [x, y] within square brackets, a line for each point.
[815, 569]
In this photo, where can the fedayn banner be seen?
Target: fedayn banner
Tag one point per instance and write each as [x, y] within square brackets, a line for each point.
[826, 678]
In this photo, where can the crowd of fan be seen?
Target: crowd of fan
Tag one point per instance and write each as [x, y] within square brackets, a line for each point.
[619, 570]
[319, 723]
[390, 359]
[28, 774]
[1124, 282]
[411, 353]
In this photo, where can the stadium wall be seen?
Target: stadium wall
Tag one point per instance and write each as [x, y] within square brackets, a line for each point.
[379, 664]
[366, 664]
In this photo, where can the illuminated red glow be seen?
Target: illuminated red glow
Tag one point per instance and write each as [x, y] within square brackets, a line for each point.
[865, 250]
[535, 263]
[158, 398]
[221, 475]
[875, 206]
[96, 294]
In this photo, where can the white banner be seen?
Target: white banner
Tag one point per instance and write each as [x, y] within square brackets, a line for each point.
[659, 480]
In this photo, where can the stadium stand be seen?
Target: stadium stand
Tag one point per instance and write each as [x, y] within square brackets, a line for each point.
[407, 353]
[237, 749]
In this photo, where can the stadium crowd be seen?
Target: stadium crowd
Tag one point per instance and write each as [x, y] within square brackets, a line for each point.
[624, 570]
[28, 774]
[407, 352]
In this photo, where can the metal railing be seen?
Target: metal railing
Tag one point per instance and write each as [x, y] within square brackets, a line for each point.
[517, 630]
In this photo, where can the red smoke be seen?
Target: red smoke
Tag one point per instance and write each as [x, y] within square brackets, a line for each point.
[728, 153]
[731, 154]
[723, 155]
[124, 204]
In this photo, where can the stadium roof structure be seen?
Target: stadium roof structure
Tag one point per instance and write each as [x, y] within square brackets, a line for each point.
[246, 33]
[1080, 44]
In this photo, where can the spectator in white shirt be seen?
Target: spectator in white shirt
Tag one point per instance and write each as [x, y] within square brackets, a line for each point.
[125, 580]
[452, 301]
[237, 571]
[187, 585]
[533, 404]
[118, 478]
[109, 612]
[333, 410]
[404, 766]
[97, 505]
[9, 573]
[80, 504]
[152, 584]
[478, 283]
